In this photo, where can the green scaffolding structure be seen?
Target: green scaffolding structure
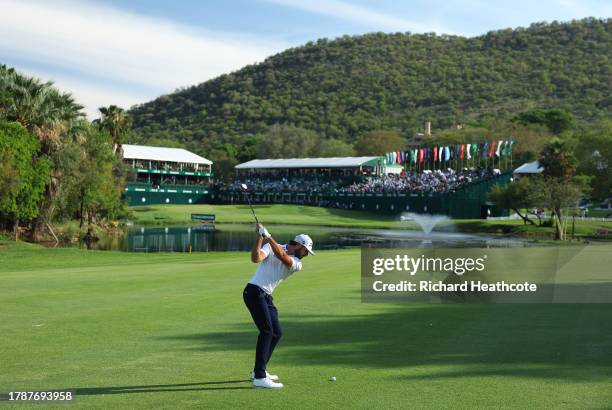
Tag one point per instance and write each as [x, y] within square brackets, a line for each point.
[468, 202]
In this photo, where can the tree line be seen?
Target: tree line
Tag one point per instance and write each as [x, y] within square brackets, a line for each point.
[54, 164]
[336, 92]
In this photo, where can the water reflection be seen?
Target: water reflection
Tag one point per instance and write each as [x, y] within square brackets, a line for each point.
[230, 237]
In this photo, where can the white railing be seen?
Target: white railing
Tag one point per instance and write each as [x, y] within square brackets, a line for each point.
[545, 216]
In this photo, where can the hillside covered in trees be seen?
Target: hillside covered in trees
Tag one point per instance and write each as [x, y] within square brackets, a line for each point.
[344, 88]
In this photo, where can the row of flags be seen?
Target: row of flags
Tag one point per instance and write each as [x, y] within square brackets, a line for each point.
[489, 149]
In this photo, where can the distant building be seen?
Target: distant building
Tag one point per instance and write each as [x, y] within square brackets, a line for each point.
[419, 138]
[527, 169]
[428, 128]
[166, 175]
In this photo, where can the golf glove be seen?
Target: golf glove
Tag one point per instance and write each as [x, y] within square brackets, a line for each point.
[263, 232]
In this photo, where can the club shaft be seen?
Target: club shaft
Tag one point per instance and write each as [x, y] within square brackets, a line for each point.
[251, 206]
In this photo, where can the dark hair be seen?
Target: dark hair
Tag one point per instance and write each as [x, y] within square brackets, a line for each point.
[292, 242]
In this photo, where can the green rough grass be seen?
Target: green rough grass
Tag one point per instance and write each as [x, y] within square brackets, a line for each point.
[171, 330]
[267, 214]
[583, 229]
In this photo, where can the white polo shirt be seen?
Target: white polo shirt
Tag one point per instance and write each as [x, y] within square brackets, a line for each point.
[272, 271]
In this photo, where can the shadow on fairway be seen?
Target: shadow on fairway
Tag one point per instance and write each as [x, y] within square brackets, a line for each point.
[569, 342]
[161, 388]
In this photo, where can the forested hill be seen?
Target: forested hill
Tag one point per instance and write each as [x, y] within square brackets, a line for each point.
[346, 87]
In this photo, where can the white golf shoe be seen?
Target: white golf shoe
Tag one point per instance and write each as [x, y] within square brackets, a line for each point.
[272, 377]
[266, 383]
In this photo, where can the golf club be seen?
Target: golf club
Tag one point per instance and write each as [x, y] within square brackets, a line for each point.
[244, 186]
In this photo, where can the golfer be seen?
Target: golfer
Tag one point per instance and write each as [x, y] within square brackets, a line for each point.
[276, 263]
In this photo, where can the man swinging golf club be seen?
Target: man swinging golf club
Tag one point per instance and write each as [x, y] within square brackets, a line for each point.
[276, 263]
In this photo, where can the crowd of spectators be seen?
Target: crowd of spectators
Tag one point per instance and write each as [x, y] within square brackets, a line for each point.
[282, 185]
[424, 181]
[167, 166]
[407, 182]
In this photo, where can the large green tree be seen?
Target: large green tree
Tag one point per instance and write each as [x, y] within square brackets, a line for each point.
[70, 160]
[557, 121]
[559, 189]
[95, 179]
[50, 115]
[380, 141]
[594, 154]
[334, 148]
[99, 191]
[558, 160]
[287, 141]
[23, 174]
[516, 196]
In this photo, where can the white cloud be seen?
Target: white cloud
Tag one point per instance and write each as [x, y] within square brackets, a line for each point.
[134, 51]
[363, 15]
[92, 94]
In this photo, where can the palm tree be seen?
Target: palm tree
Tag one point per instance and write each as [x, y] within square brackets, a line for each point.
[116, 121]
[49, 114]
[38, 106]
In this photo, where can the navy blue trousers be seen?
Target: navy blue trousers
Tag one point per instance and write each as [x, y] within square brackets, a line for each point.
[265, 316]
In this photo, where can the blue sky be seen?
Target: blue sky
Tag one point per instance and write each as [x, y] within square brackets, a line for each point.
[131, 51]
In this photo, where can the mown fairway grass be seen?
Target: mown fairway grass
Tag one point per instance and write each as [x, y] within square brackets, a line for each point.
[171, 330]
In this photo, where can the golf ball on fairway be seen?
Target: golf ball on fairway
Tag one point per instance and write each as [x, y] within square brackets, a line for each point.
[332, 379]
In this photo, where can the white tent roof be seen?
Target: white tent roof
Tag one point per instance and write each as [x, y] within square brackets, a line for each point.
[529, 168]
[333, 162]
[162, 154]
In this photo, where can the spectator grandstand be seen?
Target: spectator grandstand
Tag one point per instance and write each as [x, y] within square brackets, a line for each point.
[426, 181]
[407, 182]
[165, 175]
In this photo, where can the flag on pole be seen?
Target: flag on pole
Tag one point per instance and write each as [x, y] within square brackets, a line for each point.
[499, 145]
[506, 150]
[435, 154]
[510, 147]
[467, 151]
[492, 148]
[462, 152]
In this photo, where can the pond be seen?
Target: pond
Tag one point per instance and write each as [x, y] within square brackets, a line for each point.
[240, 237]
